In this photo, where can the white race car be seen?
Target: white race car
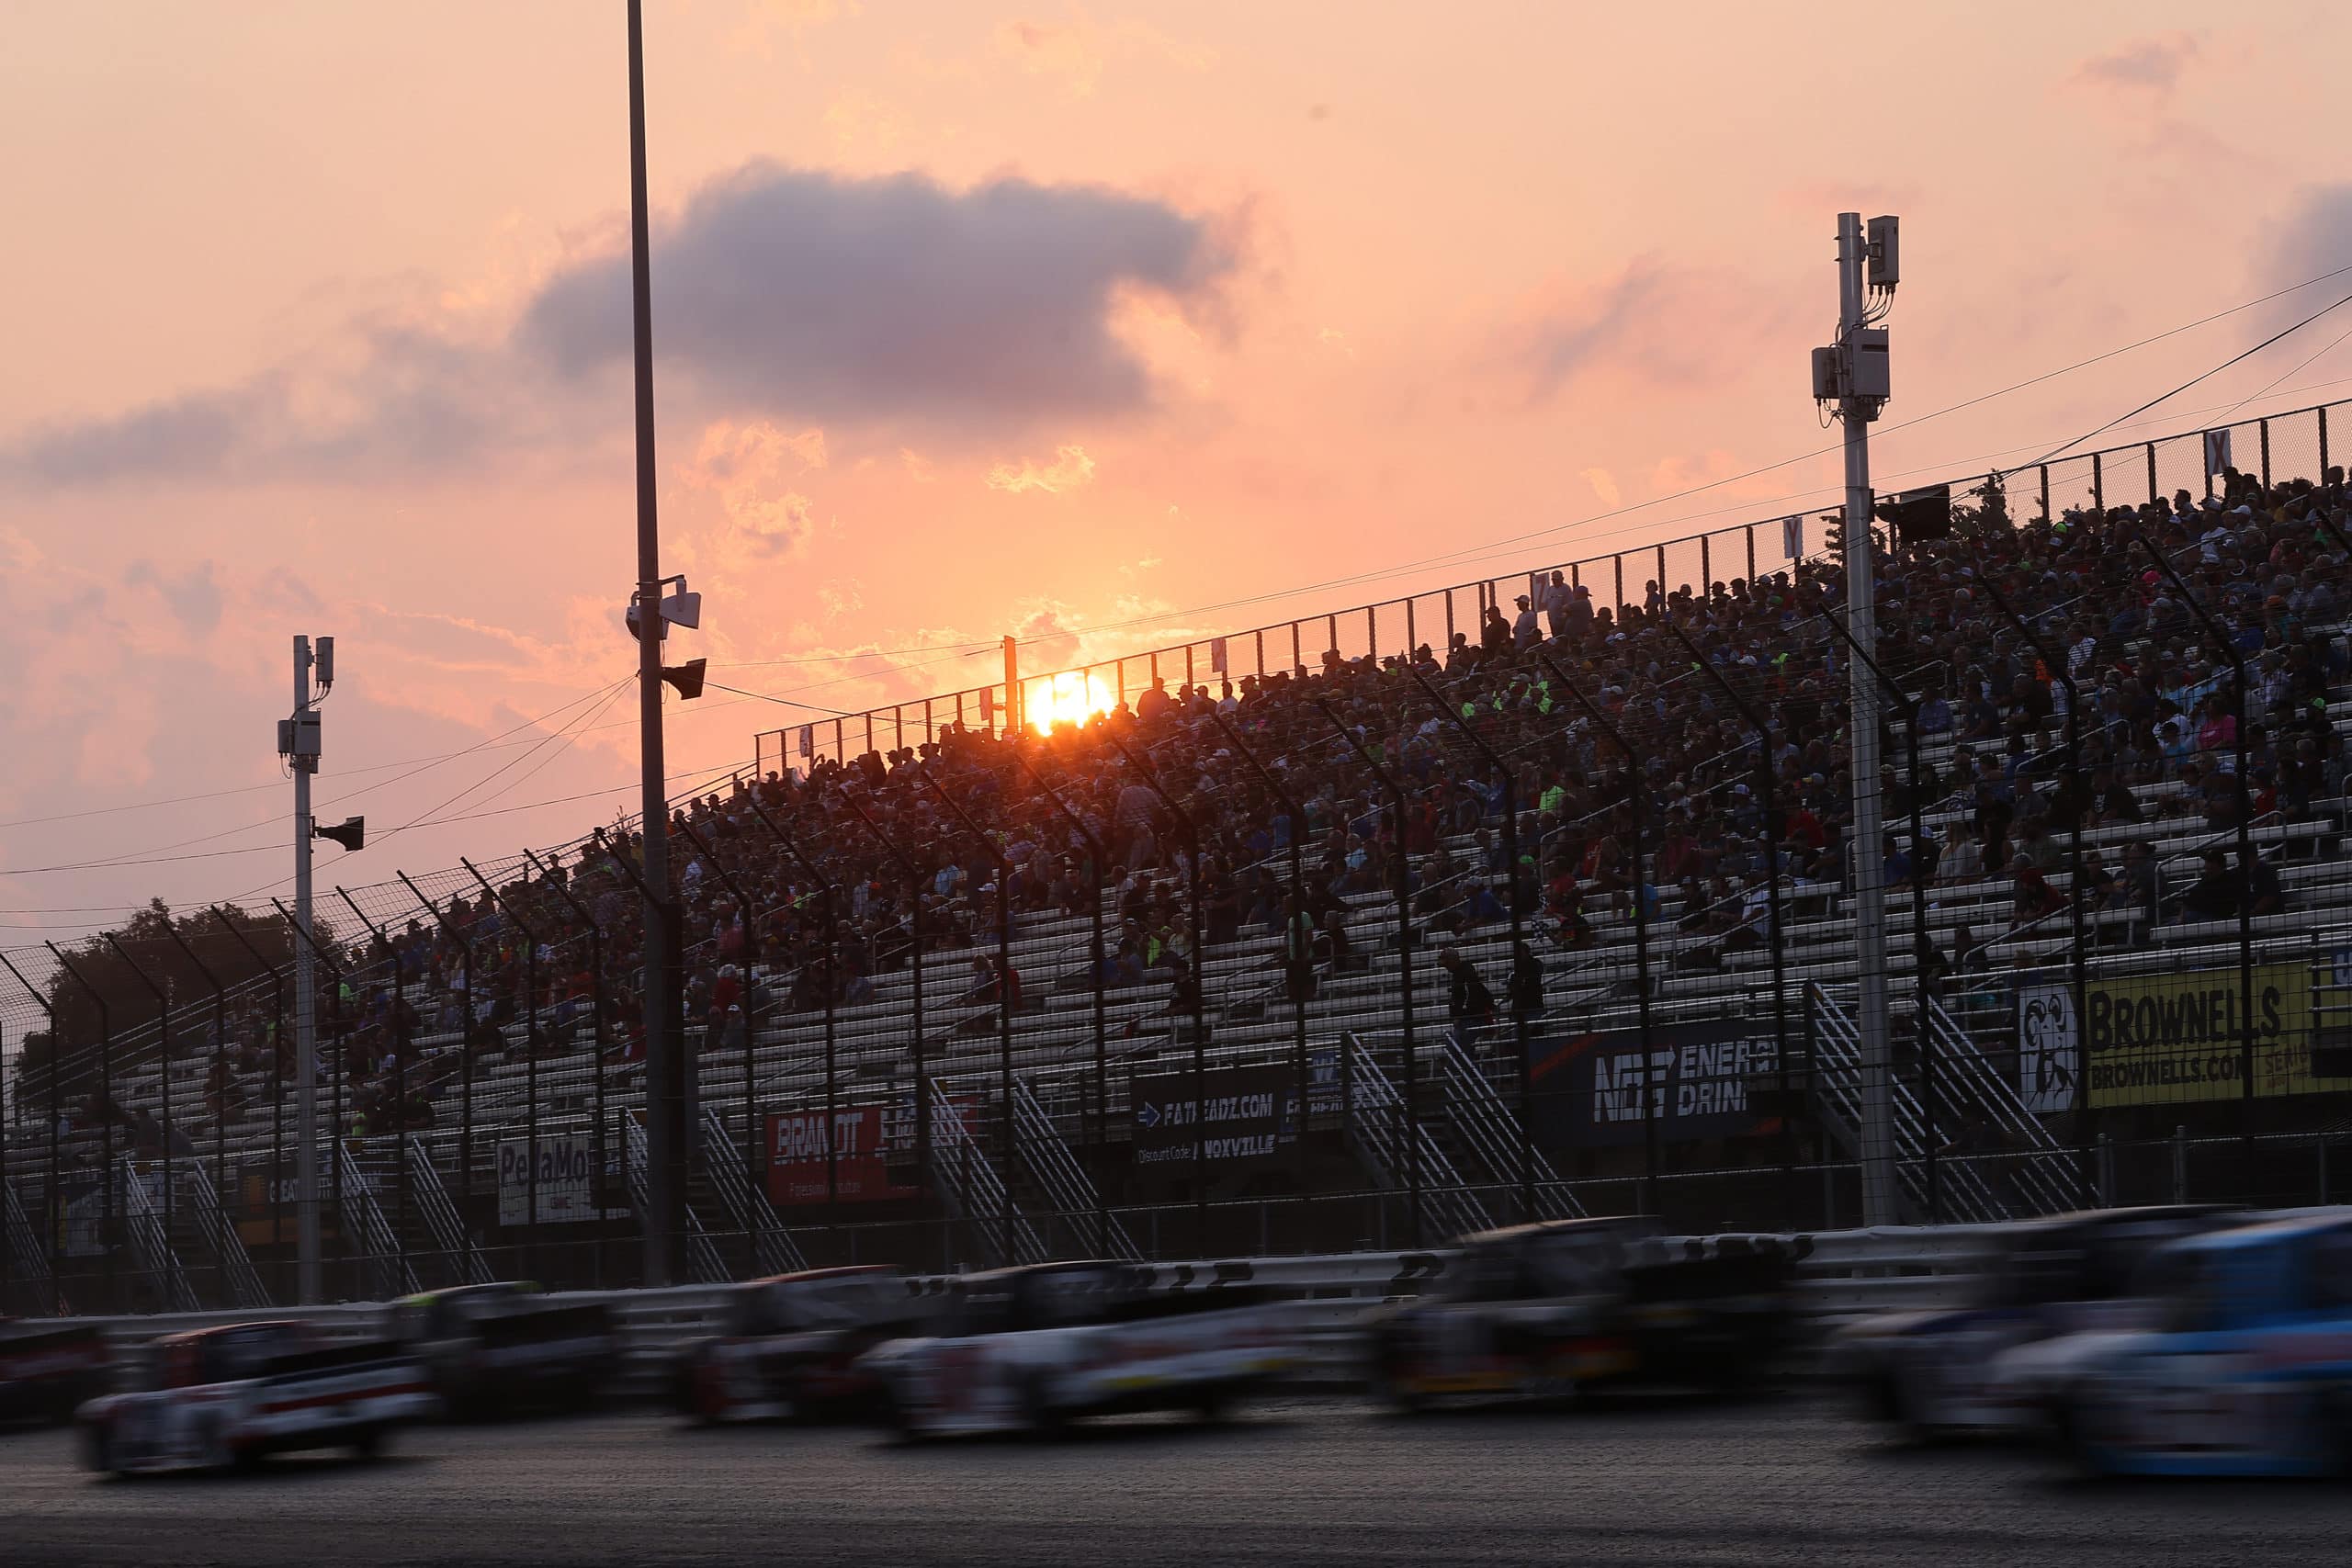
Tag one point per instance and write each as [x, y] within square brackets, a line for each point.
[227, 1397]
[1030, 1348]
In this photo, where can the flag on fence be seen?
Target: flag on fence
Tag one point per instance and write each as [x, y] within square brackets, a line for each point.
[1217, 654]
[1793, 537]
[808, 740]
[2217, 452]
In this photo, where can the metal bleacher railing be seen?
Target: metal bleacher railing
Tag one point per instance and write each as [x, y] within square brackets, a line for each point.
[437, 1063]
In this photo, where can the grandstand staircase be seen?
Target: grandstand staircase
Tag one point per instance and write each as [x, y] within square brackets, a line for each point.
[27, 1262]
[2030, 1178]
[1481, 1124]
[151, 1247]
[368, 1232]
[1069, 1195]
[968, 1182]
[1376, 1131]
[199, 1228]
[724, 1184]
[457, 1248]
[704, 1265]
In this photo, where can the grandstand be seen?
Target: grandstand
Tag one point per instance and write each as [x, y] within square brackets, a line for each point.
[1676, 1033]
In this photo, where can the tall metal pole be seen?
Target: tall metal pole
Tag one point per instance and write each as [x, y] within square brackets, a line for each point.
[1879, 1207]
[1930, 1099]
[665, 1044]
[306, 1083]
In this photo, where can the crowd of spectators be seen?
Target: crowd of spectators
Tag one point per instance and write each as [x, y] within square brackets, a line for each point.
[2158, 750]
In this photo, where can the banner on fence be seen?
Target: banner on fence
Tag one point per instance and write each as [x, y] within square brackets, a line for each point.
[1587, 1089]
[567, 1179]
[256, 1224]
[2168, 1039]
[860, 1171]
[1243, 1117]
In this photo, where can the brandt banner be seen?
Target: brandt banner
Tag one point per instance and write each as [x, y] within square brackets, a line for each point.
[796, 1165]
[1246, 1117]
[1587, 1089]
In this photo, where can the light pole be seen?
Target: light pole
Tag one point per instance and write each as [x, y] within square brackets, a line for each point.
[1852, 373]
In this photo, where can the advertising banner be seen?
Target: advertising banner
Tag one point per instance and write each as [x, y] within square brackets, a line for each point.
[2170, 1038]
[255, 1224]
[567, 1178]
[1245, 1116]
[1587, 1089]
[797, 1164]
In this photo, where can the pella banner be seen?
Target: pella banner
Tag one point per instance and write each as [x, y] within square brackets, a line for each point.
[1587, 1089]
[567, 1179]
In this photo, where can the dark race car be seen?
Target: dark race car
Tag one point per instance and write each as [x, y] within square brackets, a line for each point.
[504, 1348]
[1973, 1368]
[1559, 1309]
[787, 1346]
[47, 1369]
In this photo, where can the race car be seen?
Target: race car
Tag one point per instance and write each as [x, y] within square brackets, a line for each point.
[1561, 1308]
[1029, 1349]
[227, 1397]
[1986, 1367]
[2246, 1369]
[500, 1348]
[788, 1346]
[47, 1369]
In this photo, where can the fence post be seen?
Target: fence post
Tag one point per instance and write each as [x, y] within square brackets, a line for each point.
[531, 1071]
[220, 1116]
[914, 937]
[474, 989]
[164, 1060]
[595, 938]
[397, 1005]
[106, 1123]
[2152, 471]
[2265, 427]
[53, 1218]
[1769, 790]
[1636, 788]
[1403, 879]
[279, 1048]
[2098, 486]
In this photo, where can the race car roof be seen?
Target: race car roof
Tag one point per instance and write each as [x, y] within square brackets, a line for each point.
[1595, 1224]
[191, 1336]
[803, 1276]
[2267, 1233]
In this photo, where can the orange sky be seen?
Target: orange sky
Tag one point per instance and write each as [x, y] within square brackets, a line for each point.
[974, 321]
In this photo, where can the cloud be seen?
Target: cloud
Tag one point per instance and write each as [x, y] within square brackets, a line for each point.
[779, 294]
[1603, 483]
[194, 595]
[2150, 65]
[747, 465]
[1667, 325]
[800, 294]
[1070, 469]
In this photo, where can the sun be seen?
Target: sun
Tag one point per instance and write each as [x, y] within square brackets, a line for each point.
[1071, 698]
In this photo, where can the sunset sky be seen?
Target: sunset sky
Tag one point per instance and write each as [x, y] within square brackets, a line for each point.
[1106, 326]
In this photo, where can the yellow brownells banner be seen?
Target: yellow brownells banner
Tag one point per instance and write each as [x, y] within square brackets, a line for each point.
[2159, 1039]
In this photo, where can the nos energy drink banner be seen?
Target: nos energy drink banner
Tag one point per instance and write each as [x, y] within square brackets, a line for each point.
[1588, 1088]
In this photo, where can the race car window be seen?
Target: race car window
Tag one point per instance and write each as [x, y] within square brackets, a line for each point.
[1568, 1267]
[2193, 1304]
[2329, 1270]
[850, 1303]
[1064, 1298]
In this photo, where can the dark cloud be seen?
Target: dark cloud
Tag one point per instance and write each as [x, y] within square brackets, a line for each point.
[2149, 64]
[776, 292]
[817, 297]
[194, 594]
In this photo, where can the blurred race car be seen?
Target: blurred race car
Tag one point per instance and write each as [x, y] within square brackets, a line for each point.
[491, 1349]
[1032, 1349]
[788, 1346]
[217, 1398]
[1551, 1310]
[2247, 1370]
[47, 1369]
[1986, 1367]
